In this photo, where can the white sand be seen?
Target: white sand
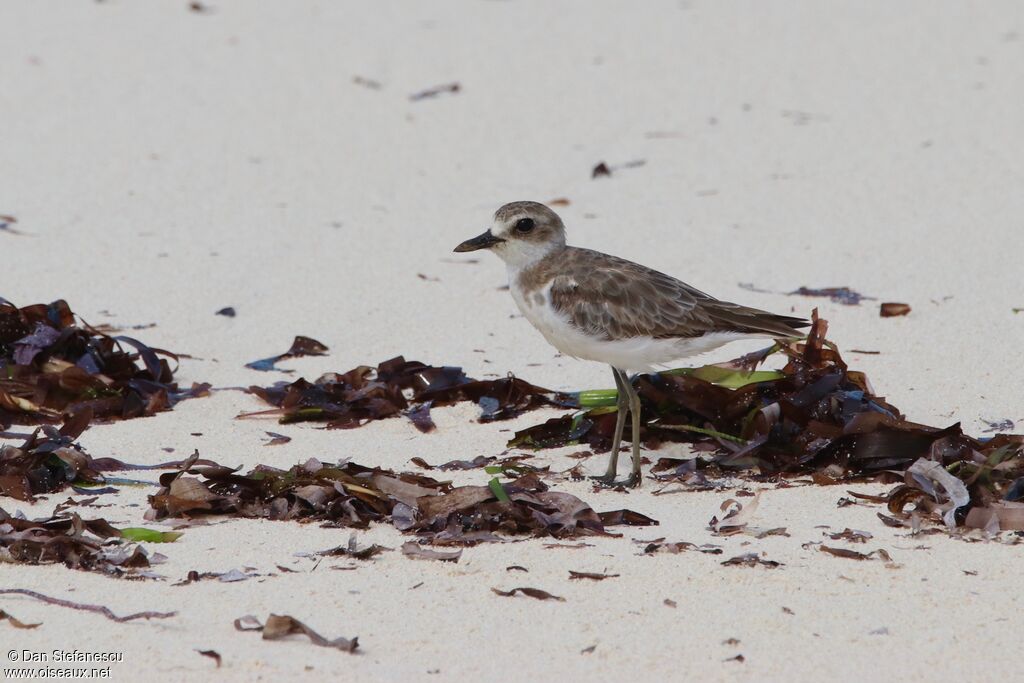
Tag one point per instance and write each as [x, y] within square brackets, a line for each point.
[168, 163]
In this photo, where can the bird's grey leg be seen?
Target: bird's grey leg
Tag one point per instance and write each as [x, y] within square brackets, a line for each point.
[622, 403]
[634, 409]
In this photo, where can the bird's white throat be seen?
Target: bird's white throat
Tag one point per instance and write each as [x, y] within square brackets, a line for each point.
[521, 254]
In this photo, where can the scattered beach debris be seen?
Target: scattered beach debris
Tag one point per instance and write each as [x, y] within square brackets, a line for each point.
[15, 622]
[280, 626]
[604, 169]
[750, 560]
[893, 309]
[839, 295]
[367, 82]
[50, 367]
[227, 312]
[276, 439]
[230, 576]
[848, 554]
[447, 88]
[659, 546]
[593, 576]
[99, 609]
[301, 346]
[535, 593]
[398, 387]
[1003, 425]
[351, 495]
[736, 518]
[418, 552]
[49, 460]
[212, 654]
[6, 222]
[479, 462]
[352, 550]
[848, 534]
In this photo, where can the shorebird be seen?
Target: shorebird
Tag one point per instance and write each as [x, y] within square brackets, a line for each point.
[603, 308]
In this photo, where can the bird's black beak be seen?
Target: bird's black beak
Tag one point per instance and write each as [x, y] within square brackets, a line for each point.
[484, 241]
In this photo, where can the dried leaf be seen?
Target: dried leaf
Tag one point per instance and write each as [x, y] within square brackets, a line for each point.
[212, 654]
[854, 555]
[590, 575]
[280, 626]
[301, 346]
[889, 310]
[851, 535]
[750, 560]
[16, 623]
[529, 592]
[418, 552]
[736, 518]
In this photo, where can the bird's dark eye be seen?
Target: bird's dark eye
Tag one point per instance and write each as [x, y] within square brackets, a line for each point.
[524, 225]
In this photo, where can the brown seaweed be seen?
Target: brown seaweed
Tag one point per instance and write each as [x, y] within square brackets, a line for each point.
[399, 387]
[51, 367]
[818, 418]
[351, 495]
[86, 544]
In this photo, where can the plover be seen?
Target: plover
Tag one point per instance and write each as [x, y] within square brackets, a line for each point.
[603, 308]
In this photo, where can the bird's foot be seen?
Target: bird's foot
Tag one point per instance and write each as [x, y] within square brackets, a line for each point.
[608, 481]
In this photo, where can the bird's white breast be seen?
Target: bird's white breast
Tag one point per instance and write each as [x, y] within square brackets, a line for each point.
[642, 353]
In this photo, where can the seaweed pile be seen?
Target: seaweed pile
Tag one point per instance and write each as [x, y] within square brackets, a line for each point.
[50, 460]
[399, 387]
[351, 495]
[51, 367]
[816, 417]
[89, 545]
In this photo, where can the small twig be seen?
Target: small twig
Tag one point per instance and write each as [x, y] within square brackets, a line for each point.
[88, 608]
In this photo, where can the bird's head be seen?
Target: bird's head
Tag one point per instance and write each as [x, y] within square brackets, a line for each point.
[522, 233]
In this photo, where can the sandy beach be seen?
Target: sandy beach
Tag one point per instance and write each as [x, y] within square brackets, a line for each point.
[164, 163]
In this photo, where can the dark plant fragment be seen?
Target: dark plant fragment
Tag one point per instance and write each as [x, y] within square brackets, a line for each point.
[212, 654]
[851, 535]
[15, 622]
[848, 554]
[593, 576]
[417, 552]
[890, 309]
[750, 560]
[52, 367]
[99, 609]
[49, 460]
[840, 295]
[301, 346]
[535, 593]
[449, 88]
[280, 626]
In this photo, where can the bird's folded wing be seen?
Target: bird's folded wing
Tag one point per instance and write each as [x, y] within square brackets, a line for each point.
[617, 299]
